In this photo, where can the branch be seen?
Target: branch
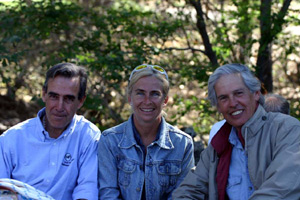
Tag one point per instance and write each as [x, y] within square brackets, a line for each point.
[183, 49]
[202, 30]
[279, 20]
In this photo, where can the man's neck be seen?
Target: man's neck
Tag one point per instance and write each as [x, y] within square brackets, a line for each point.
[53, 133]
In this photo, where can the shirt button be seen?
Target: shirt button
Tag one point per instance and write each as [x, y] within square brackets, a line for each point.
[54, 143]
[47, 180]
[53, 163]
[138, 189]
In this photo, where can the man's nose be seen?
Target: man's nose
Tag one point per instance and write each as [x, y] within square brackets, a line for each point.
[60, 104]
[232, 101]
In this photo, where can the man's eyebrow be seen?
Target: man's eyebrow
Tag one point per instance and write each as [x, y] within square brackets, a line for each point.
[52, 93]
[221, 95]
[70, 96]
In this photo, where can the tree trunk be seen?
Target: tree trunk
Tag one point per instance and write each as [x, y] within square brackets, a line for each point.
[201, 26]
[268, 34]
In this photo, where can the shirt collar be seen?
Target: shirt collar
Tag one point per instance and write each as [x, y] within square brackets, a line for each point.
[45, 135]
[255, 122]
[233, 138]
[129, 136]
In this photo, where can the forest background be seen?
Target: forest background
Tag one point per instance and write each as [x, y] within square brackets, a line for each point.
[189, 38]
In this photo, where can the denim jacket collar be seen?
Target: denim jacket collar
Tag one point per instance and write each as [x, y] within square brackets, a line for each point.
[128, 139]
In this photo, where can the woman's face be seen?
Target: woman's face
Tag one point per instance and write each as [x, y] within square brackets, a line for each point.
[147, 100]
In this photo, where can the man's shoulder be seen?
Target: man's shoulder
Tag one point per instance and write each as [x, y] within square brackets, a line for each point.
[282, 119]
[81, 121]
[24, 126]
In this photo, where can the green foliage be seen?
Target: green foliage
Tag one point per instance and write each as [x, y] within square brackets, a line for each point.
[295, 108]
[111, 40]
[202, 121]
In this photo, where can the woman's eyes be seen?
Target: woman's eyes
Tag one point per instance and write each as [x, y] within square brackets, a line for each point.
[155, 94]
[152, 94]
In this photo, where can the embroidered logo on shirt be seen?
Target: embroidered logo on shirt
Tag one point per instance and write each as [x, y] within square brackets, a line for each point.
[67, 159]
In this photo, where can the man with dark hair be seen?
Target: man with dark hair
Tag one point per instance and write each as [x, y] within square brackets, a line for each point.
[56, 152]
[276, 103]
[254, 155]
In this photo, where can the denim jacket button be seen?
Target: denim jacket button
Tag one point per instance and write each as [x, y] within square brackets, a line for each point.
[138, 189]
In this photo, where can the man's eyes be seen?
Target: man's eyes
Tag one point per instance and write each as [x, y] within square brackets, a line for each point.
[67, 99]
[53, 96]
[222, 99]
[239, 93]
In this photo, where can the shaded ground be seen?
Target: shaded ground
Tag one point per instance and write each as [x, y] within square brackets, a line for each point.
[13, 112]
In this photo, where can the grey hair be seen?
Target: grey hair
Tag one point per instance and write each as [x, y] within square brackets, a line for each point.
[251, 82]
[276, 103]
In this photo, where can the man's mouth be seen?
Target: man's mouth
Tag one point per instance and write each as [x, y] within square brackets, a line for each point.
[59, 116]
[236, 112]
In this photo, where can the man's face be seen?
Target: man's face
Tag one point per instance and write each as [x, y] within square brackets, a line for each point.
[61, 102]
[234, 100]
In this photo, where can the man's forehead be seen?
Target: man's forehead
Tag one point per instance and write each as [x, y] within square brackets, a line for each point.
[229, 83]
[64, 86]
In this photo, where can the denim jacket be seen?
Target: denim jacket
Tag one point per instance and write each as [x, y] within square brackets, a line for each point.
[121, 161]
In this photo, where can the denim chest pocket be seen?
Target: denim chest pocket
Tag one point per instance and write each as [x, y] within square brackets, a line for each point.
[125, 171]
[168, 172]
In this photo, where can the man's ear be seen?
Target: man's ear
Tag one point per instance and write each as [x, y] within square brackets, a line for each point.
[81, 101]
[44, 95]
[257, 95]
[129, 100]
[218, 108]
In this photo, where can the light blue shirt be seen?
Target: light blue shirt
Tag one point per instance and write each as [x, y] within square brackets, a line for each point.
[121, 160]
[239, 185]
[65, 168]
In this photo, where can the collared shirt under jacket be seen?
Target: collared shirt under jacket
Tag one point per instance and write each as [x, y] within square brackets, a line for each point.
[121, 159]
[272, 145]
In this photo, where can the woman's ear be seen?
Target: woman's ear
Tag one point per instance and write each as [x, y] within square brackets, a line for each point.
[166, 100]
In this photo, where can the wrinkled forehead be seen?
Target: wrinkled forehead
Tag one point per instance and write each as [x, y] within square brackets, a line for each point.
[229, 82]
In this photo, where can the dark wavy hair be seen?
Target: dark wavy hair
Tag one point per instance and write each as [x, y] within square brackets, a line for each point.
[68, 70]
